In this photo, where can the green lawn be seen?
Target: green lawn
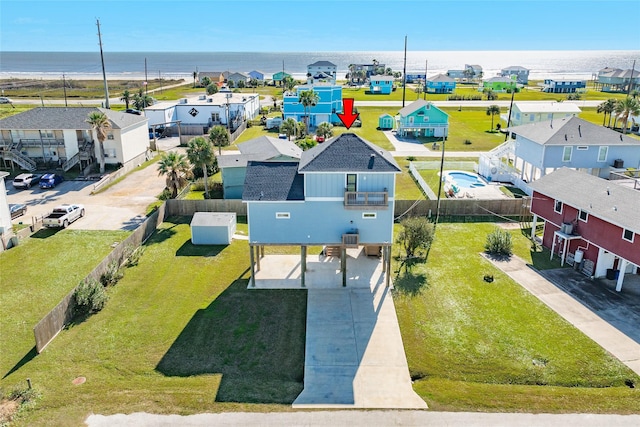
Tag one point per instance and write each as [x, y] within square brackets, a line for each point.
[477, 346]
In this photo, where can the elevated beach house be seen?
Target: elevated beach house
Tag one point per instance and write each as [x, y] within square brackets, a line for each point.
[329, 103]
[529, 112]
[563, 85]
[235, 78]
[441, 83]
[589, 222]
[617, 80]
[233, 167]
[340, 195]
[422, 118]
[257, 74]
[60, 137]
[539, 148]
[499, 84]
[322, 71]
[381, 84]
[278, 77]
[521, 73]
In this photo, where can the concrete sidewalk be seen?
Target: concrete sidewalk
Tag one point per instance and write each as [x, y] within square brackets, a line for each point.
[608, 337]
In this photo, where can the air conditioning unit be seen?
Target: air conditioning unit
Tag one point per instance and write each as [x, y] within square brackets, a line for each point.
[202, 97]
[183, 100]
[567, 228]
[618, 163]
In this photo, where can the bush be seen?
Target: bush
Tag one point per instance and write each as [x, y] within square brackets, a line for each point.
[112, 275]
[499, 242]
[467, 142]
[165, 195]
[132, 255]
[417, 233]
[90, 297]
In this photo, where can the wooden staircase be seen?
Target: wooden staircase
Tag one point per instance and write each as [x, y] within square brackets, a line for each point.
[332, 251]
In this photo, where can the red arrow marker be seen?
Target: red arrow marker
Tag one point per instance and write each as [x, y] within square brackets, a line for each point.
[347, 118]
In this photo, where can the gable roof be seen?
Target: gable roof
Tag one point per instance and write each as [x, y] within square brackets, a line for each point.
[515, 68]
[572, 131]
[599, 197]
[280, 75]
[58, 118]
[273, 181]
[347, 153]
[322, 64]
[500, 79]
[234, 76]
[441, 78]
[380, 77]
[415, 106]
[547, 107]
[271, 146]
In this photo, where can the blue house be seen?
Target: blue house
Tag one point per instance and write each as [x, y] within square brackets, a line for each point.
[340, 195]
[256, 74]
[422, 118]
[563, 85]
[325, 110]
[381, 84]
[441, 84]
[233, 167]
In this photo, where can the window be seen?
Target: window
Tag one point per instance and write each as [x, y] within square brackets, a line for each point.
[215, 117]
[352, 182]
[369, 215]
[283, 215]
[110, 136]
[602, 153]
[566, 154]
[627, 235]
[557, 207]
[583, 216]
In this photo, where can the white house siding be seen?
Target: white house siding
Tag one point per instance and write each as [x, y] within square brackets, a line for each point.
[70, 142]
[5, 216]
[134, 142]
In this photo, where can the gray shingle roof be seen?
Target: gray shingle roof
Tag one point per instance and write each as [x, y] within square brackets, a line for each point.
[271, 146]
[273, 181]
[598, 197]
[347, 153]
[59, 118]
[414, 106]
[239, 160]
[515, 68]
[572, 131]
[440, 78]
[322, 64]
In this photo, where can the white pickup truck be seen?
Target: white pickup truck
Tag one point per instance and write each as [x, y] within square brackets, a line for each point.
[63, 215]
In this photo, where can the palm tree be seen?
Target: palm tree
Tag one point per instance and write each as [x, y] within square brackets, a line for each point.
[200, 153]
[324, 130]
[351, 73]
[288, 83]
[635, 94]
[195, 76]
[289, 127]
[102, 125]
[606, 107]
[492, 110]
[624, 108]
[141, 100]
[219, 137]
[126, 97]
[308, 99]
[174, 166]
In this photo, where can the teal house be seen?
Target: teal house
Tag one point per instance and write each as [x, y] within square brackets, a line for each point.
[233, 167]
[441, 84]
[422, 118]
[385, 121]
[381, 84]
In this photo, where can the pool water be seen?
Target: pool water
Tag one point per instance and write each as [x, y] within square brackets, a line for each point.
[466, 180]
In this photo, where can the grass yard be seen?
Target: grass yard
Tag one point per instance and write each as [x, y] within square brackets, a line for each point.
[180, 334]
[477, 346]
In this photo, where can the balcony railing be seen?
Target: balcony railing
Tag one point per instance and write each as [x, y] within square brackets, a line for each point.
[368, 200]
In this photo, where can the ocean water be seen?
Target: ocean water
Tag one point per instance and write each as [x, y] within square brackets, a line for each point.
[167, 65]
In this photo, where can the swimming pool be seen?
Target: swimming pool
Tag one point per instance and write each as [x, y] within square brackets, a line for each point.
[464, 179]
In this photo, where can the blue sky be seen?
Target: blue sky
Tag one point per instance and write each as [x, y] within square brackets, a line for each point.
[329, 25]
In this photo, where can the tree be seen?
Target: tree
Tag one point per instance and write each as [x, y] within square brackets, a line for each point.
[174, 166]
[491, 95]
[253, 82]
[492, 110]
[241, 84]
[388, 72]
[634, 94]
[219, 137]
[301, 129]
[324, 130]
[607, 107]
[141, 100]
[624, 108]
[417, 234]
[308, 99]
[212, 89]
[206, 81]
[126, 97]
[352, 71]
[102, 125]
[195, 76]
[200, 153]
[289, 127]
[288, 83]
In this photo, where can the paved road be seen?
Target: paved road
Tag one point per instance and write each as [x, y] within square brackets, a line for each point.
[464, 104]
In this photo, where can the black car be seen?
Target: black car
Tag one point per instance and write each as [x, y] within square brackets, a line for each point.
[133, 111]
[17, 210]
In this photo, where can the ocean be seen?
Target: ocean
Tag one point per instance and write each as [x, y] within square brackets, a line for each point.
[172, 65]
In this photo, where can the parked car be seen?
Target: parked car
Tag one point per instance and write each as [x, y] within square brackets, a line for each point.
[5, 100]
[63, 215]
[50, 180]
[26, 180]
[17, 210]
[158, 135]
[133, 111]
[319, 138]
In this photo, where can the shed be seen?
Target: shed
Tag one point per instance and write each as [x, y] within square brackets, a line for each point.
[385, 121]
[212, 228]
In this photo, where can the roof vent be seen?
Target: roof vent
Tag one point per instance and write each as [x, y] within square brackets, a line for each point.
[615, 208]
[565, 136]
[608, 192]
[579, 131]
[620, 137]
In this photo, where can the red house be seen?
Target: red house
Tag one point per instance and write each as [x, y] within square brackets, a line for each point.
[589, 221]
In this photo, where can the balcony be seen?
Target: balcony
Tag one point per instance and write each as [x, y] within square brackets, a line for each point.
[366, 200]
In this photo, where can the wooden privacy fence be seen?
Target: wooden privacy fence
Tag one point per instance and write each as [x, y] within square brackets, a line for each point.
[51, 325]
[175, 207]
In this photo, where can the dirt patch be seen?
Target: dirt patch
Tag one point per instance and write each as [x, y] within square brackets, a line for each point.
[8, 409]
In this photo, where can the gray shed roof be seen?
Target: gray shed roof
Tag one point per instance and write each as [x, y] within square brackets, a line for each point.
[347, 153]
[59, 118]
[213, 219]
[572, 131]
[441, 78]
[273, 181]
[599, 197]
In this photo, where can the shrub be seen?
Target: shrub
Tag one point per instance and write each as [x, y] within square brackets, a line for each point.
[112, 275]
[165, 195]
[411, 158]
[467, 142]
[499, 242]
[417, 233]
[90, 297]
[132, 255]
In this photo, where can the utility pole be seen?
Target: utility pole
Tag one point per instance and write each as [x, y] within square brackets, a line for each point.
[439, 185]
[506, 135]
[404, 72]
[146, 79]
[633, 69]
[104, 74]
[426, 66]
[64, 88]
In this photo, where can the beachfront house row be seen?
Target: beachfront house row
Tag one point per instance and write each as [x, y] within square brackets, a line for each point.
[563, 85]
[61, 138]
[233, 167]
[499, 84]
[6, 229]
[369, 69]
[589, 222]
[617, 80]
[329, 103]
[340, 195]
[441, 83]
[529, 112]
[381, 84]
[322, 71]
[422, 118]
[537, 149]
[521, 73]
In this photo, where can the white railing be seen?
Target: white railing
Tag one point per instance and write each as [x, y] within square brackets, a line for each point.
[369, 199]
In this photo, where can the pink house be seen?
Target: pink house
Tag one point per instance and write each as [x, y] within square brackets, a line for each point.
[590, 222]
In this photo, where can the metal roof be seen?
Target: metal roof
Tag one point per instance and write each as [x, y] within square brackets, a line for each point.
[59, 118]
